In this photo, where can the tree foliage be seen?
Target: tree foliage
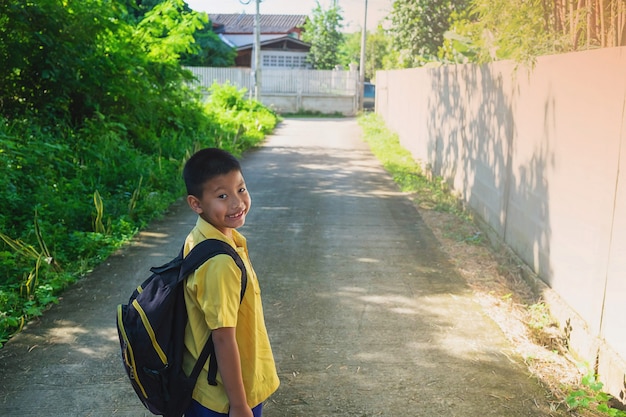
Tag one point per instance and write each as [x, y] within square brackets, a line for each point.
[459, 31]
[418, 28]
[212, 52]
[167, 30]
[206, 48]
[322, 31]
[48, 56]
[379, 53]
[522, 30]
[501, 29]
[350, 49]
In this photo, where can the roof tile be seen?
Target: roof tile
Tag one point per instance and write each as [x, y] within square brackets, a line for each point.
[270, 23]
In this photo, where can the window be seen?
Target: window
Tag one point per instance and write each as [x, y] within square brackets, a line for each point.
[284, 61]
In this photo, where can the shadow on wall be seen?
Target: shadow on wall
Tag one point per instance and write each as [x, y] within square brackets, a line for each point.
[473, 145]
[537, 156]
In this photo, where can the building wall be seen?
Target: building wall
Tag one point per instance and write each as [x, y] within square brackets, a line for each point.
[273, 59]
[536, 153]
[248, 38]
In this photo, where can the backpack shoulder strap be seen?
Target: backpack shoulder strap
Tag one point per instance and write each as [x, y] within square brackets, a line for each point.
[201, 253]
[207, 249]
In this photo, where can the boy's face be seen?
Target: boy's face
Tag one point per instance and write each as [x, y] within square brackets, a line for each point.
[225, 202]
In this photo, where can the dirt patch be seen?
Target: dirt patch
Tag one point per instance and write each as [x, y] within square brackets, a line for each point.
[510, 301]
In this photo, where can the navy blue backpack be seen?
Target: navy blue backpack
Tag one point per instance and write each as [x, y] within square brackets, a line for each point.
[151, 329]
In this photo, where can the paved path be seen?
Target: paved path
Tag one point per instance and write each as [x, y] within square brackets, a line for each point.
[366, 315]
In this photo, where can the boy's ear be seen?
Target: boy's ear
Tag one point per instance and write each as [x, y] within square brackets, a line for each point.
[194, 203]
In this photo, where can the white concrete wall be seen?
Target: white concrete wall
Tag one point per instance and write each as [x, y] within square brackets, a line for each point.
[289, 103]
[536, 153]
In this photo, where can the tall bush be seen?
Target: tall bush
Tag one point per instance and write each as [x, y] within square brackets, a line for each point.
[96, 121]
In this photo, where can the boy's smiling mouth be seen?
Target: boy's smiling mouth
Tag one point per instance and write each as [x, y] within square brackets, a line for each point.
[236, 215]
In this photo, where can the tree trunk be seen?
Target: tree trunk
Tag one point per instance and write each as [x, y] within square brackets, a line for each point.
[621, 22]
[603, 38]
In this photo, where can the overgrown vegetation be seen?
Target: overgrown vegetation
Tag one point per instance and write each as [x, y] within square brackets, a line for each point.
[96, 121]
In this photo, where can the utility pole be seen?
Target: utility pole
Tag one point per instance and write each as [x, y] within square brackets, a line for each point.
[257, 52]
[362, 63]
[255, 62]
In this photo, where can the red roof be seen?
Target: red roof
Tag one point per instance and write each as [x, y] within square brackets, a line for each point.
[270, 23]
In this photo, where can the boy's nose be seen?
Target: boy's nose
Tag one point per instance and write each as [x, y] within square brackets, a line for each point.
[236, 201]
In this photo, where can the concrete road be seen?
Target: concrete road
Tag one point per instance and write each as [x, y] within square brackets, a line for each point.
[365, 313]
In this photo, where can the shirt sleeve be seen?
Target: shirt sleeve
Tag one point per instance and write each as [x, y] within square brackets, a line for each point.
[217, 288]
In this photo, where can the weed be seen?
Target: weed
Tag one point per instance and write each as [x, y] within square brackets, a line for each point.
[540, 317]
[135, 197]
[475, 239]
[98, 225]
[591, 395]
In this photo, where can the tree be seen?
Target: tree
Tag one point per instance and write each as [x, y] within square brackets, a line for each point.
[502, 29]
[176, 18]
[322, 31]
[76, 59]
[212, 51]
[522, 30]
[167, 30]
[510, 29]
[350, 49]
[377, 51]
[418, 28]
[51, 55]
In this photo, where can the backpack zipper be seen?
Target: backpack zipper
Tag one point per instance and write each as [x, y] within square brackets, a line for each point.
[128, 356]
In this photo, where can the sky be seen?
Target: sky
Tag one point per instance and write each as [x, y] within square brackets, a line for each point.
[353, 11]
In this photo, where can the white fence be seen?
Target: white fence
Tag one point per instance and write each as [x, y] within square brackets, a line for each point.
[291, 90]
[303, 81]
[241, 77]
[283, 81]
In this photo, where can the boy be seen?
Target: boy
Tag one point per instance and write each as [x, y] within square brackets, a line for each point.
[246, 370]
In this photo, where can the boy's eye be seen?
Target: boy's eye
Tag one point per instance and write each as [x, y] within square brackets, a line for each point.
[221, 196]
[242, 190]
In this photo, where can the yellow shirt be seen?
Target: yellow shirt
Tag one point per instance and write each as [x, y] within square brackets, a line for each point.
[212, 299]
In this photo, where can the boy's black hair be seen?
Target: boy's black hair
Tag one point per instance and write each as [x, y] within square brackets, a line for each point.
[206, 164]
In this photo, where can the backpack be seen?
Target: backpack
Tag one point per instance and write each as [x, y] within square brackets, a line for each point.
[151, 329]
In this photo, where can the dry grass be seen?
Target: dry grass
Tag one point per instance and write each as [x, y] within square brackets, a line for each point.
[510, 301]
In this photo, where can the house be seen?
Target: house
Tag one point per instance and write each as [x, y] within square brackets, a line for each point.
[280, 37]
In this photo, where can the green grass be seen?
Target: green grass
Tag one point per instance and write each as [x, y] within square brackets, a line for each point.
[430, 193]
[311, 114]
